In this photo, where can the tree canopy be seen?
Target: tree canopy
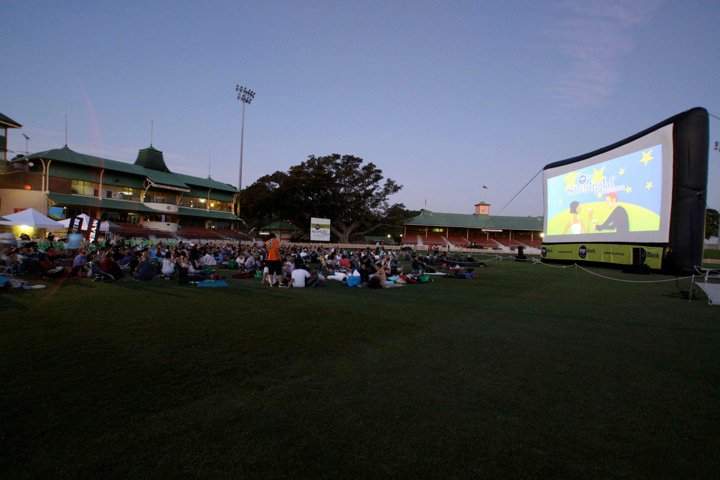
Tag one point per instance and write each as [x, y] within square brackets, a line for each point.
[712, 220]
[353, 194]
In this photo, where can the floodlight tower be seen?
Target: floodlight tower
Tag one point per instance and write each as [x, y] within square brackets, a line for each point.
[27, 144]
[245, 96]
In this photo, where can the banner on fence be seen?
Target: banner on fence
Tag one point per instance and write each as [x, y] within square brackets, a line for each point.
[319, 229]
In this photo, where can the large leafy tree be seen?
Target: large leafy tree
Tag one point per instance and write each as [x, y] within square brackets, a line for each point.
[712, 220]
[259, 202]
[353, 194]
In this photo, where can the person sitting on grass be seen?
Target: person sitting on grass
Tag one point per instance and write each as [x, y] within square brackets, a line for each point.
[366, 269]
[128, 261]
[316, 279]
[183, 267]
[208, 260]
[145, 270]
[48, 267]
[79, 262]
[168, 266]
[382, 277]
[345, 262]
[186, 271]
[109, 266]
[250, 263]
[299, 276]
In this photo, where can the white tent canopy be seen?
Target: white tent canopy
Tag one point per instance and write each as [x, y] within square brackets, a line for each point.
[31, 218]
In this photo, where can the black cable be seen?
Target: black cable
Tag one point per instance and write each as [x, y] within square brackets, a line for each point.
[521, 190]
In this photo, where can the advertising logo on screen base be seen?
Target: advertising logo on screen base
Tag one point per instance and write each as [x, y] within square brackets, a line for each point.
[620, 254]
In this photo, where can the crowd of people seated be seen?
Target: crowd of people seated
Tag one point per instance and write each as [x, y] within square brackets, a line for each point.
[186, 262]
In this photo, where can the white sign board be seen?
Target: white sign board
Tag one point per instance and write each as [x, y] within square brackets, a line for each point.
[319, 229]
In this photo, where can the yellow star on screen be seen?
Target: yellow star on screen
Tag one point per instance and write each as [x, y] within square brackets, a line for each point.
[621, 172]
[597, 176]
[649, 185]
[646, 157]
[570, 180]
[628, 189]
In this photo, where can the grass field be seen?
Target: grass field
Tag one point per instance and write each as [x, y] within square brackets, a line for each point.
[526, 372]
[712, 254]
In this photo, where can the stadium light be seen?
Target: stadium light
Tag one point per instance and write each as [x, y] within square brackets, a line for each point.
[245, 96]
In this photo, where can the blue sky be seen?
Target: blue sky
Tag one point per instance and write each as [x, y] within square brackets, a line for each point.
[445, 97]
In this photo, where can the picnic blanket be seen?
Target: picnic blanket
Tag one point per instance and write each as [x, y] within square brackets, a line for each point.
[212, 284]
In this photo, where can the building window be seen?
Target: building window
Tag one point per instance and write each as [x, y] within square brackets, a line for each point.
[220, 206]
[81, 187]
[157, 197]
[122, 193]
[194, 202]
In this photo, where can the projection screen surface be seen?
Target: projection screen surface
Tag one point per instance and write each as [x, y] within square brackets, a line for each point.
[623, 195]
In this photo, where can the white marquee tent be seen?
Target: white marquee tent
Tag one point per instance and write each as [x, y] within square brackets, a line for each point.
[31, 218]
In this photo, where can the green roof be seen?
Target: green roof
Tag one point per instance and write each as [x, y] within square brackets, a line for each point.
[8, 122]
[156, 176]
[106, 203]
[205, 182]
[151, 158]
[462, 220]
[112, 204]
[214, 214]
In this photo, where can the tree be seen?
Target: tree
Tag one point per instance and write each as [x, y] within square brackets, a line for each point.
[259, 202]
[712, 221]
[397, 214]
[353, 194]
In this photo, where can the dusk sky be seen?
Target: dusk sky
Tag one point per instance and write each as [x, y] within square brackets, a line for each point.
[444, 97]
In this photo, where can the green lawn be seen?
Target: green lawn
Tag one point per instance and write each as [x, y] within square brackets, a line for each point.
[713, 254]
[526, 372]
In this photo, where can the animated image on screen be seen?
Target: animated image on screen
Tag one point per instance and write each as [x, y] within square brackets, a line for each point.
[617, 196]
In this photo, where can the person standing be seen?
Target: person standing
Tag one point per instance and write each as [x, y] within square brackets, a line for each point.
[274, 262]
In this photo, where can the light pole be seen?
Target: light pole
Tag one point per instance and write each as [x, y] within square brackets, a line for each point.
[27, 142]
[245, 95]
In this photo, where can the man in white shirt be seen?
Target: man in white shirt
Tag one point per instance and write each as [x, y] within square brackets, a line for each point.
[299, 275]
[208, 260]
[250, 263]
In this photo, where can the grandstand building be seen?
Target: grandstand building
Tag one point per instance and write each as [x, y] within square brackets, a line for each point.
[143, 198]
[5, 124]
[476, 230]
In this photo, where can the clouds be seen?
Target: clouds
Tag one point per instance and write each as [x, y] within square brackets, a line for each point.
[593, 37]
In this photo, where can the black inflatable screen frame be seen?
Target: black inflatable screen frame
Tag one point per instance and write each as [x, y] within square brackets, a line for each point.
[689, 195]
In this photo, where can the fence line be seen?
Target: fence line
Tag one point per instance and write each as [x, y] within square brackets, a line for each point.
[607, 277]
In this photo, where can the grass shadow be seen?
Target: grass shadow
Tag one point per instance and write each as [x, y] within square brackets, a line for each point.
[8, 303]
